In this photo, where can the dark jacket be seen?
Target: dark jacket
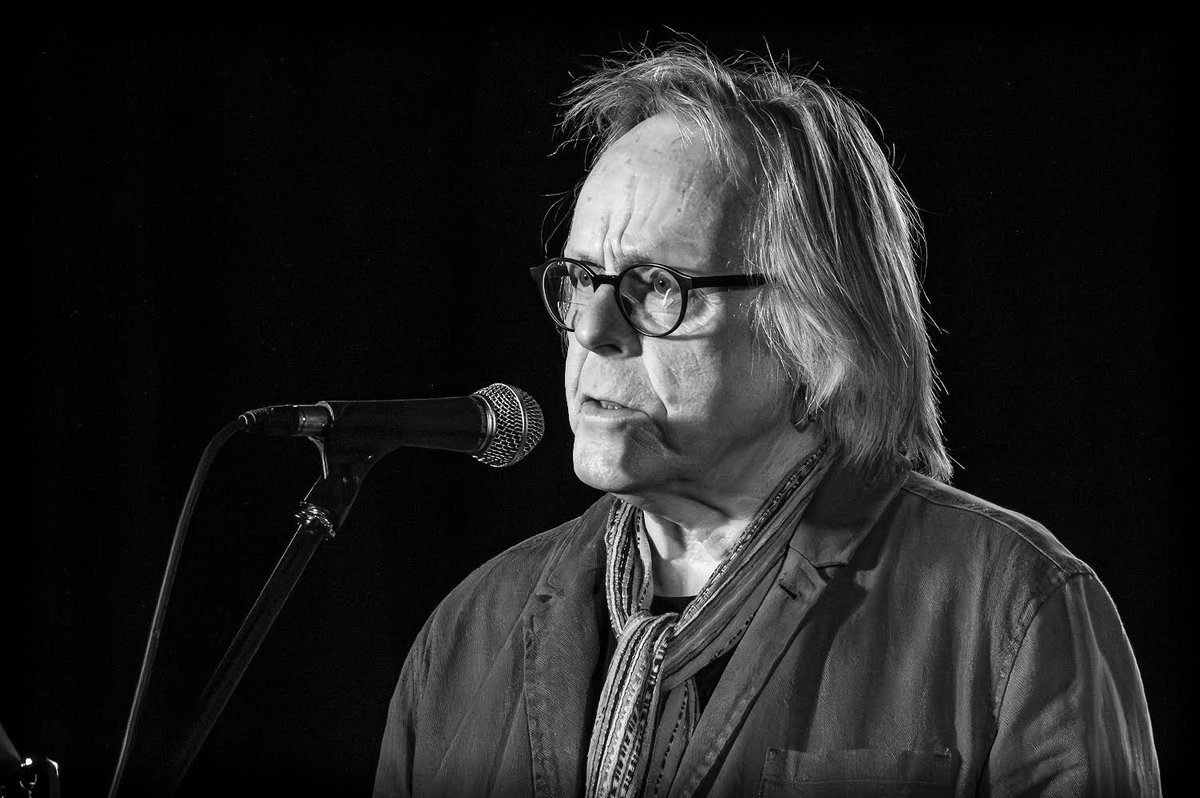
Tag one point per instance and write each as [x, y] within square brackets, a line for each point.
[919, 641]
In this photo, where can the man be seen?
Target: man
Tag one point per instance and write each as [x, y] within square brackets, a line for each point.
[777, 594]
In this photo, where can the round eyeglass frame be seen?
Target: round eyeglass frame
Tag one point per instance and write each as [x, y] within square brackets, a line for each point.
[686, 283]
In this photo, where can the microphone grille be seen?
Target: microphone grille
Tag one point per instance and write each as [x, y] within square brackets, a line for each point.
[519, 425]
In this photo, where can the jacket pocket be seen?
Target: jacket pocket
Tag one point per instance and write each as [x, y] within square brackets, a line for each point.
[860, 772]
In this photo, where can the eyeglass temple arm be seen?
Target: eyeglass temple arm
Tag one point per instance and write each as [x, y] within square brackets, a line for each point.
[728, 280]
[535, 273]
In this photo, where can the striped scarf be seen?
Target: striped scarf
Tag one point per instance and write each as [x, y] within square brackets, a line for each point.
[657, 653]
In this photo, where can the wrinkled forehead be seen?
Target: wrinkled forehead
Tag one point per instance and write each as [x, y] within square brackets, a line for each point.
[658, 187]
[660, 145]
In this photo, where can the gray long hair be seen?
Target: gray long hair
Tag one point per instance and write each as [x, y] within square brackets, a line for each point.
[829, 224]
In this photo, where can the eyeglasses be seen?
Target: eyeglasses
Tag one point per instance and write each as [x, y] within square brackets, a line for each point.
[651, 297]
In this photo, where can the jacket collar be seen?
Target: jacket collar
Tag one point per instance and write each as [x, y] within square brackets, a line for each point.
[845, 507]
[562, 655]
[578, 561]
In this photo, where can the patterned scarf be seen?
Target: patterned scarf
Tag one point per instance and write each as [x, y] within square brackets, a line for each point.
[657, 653]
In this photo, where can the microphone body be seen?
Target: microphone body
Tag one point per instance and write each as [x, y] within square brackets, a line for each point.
[498, 425]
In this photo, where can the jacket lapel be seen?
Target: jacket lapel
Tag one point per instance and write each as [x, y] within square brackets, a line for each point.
[562, 654]
[843, 510]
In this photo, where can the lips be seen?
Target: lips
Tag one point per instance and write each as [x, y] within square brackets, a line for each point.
[606, 403]
[594, 406]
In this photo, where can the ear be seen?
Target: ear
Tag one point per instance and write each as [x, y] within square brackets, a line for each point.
[802, 414]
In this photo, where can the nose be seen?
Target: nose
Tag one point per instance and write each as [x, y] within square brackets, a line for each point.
[601, 328]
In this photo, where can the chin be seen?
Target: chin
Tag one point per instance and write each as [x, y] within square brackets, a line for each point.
[609, 470]
[602, 475]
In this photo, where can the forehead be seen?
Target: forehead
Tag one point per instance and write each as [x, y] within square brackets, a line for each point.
[657, 194]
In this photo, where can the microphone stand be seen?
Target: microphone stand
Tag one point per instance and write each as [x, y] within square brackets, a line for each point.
[344, 465]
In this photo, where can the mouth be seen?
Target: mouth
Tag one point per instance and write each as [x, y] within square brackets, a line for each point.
[604, 402]
[594, 407]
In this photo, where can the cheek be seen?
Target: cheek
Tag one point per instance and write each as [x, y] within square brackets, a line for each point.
[723, 384]
[686, 381]
[572, 369]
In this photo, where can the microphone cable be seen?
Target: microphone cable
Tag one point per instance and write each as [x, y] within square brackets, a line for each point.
[164, 593]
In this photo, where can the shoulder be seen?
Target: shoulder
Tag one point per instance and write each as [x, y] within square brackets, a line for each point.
[957, 521]
[988, 567]
[480, 624]
[989, 571]
[498, 590]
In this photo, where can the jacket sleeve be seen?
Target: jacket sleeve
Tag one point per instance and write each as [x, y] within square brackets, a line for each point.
[393, 776]
[1072, 716]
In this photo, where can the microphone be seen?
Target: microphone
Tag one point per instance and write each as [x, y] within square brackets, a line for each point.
[497, 425]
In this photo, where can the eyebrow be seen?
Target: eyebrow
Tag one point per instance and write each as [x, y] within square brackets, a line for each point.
[628, 258]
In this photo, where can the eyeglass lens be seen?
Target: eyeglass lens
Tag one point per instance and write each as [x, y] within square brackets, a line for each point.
[650, 297]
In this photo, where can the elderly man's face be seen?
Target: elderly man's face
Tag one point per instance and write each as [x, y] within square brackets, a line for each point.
[703, 405]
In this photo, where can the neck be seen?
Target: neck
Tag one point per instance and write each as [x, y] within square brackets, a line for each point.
[691, 531]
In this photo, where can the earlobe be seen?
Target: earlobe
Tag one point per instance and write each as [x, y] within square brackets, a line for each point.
[803, 416]
[807, 420]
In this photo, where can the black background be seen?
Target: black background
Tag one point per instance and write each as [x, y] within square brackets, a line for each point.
[212, 221]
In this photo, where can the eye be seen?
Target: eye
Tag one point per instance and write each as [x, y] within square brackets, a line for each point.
[580, 277]
[659, 284]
